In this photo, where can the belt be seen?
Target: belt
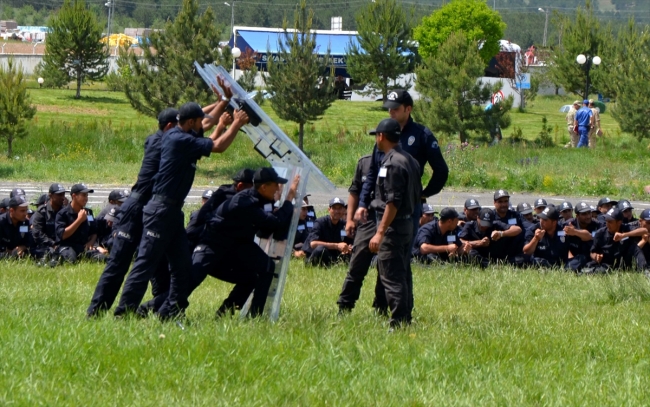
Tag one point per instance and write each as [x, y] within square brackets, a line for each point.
[380, 215]
[138, 197]
[166, 200]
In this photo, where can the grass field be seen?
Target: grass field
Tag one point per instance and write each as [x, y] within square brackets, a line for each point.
[494, 337]
[99, 140]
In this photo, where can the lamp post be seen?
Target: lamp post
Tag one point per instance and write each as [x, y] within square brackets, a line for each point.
[586, 61]
[236, 52]
[545, 24]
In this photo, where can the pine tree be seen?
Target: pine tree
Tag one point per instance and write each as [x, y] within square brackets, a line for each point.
[451, 93]
[384, 51]
[299, 79]
[73, 45]
[164, 76]
[15, 106]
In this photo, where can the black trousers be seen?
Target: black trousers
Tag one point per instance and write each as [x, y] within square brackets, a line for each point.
[629, 258]
[323, 257]
[393, 261]
[125, 244]
[163, 237]
[243, 263]
[70, 254]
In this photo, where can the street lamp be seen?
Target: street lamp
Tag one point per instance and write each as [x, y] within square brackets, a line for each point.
[545, 24]
[236, 52]
[586, 62]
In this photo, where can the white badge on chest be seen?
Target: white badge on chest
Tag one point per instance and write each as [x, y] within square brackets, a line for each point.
[383, 171]
[24, 229]
[90, 218]
[268, 207]
[512, 221]
[310, 224]
[451, 239]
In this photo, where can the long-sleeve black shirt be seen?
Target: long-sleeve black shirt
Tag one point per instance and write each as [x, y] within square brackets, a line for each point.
[65, 218]
[43, 229]
[12, 236]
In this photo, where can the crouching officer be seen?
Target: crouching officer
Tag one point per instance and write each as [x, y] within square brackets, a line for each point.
[396, 197]
[439, 241]
[43, 223]
[227, 249]
[325, 244]
[76, 229]
[580, 232]
[15, 239]
[546, 243]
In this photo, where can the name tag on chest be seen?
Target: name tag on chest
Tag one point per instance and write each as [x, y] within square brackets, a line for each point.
[310, 224]
[343, 234]
[593, 234]
[90, 218]
[383, 171]
[23, 229]
[268, 208]
[311, 213]
[451, 239]
[512, 221]
[301, 227]
[561, 233]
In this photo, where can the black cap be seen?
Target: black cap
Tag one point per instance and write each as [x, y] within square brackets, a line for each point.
[645, 215]
[206, 194]
[4, 203]
[397, 98]
[117, 195]
[57, 189]
[606, 201]
[387, 126]
[624, 205]
[16, 192]
[336, 201]
[472, 204]
[18, 200]
[40, 201]
[268, 174]
[192, 110]
[540, 202]
[111, 215]
[426, 208]
[80, 188]
[582, 207]
[614, 214]
[169, 115]
[245, 176]
[502, 193]
[524, 209]
[448, 213]
[594, 209]
[486, 217]
[550, 213]
[566, 206]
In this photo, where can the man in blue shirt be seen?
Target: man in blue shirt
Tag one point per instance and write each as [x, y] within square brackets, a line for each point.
[163, 233]
[583, 123]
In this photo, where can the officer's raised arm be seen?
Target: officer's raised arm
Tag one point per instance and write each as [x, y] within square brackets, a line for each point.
[223, 141]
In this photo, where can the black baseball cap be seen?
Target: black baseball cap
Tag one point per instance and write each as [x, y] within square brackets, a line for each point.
[57, 189]
[207, 194]
[245, 176]
[624, 205]
[540, 202]
[582, 207]
[606, 200]
[426, 208]
[472, 204]
[111, 215]
[18, 200]
[645, 215]
[502, 193]
[397, 98]
[40, 201]
[16, 192]
[387, 126]
[4, 203]
[486, 217]
[268, 174]
[80, 188]
[169, 115]
[550, 213]
[566, 206]
[524, 209]
[336, 201]
[191, 110]
[594, 209]
[448, 213]
[614, 214]
[117, 195]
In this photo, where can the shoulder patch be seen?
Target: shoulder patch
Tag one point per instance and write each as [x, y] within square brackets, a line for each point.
[434, 144]
[411, 140]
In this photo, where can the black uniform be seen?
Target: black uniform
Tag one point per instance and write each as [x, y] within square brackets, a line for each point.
[227, 249]
[301, 234]
[472, 232]
[73, 248]
[551, 251]
[580, 249]
[43, 230]
[398, 182]
[324, 231]
[198, 218]
[431, 234]
[616, 255]
[510, 248]
[128, 229]
[12, 236]
[163, 233]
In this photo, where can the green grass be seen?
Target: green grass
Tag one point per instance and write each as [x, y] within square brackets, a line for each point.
[99, 138]
[494, 337]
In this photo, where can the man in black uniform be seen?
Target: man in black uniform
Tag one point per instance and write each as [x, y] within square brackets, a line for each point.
[644, 244]
[115, 200]
[511, 247]
[76, 229]
[566, 212]
[604, 205]
[526, 212]
[546, 243]
[481, 233]
[163, 233]
[4, 205]
[227, 249]
[192, 228]
[397, 196]
[626, 208]
[15, 239]
[439, 241]
[428, 214]
[43, 228]
[580, 232]
[326, 241]
[540, 205]
[612, 247]
[471, 210]
[301, 231]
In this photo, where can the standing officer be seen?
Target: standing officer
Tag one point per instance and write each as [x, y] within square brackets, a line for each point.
[570, 121]
[579, 235]
[43, 228]
[325, 243]
[163, 233]
[15, 239]
[595, 130]
[583, 122]
[396, 198]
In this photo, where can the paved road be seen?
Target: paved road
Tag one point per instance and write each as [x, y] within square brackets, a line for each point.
[445, 198]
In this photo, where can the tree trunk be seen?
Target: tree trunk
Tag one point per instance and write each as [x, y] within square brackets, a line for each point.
[10, 150]
[78, 95]
[301, 133]
[462, 136]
